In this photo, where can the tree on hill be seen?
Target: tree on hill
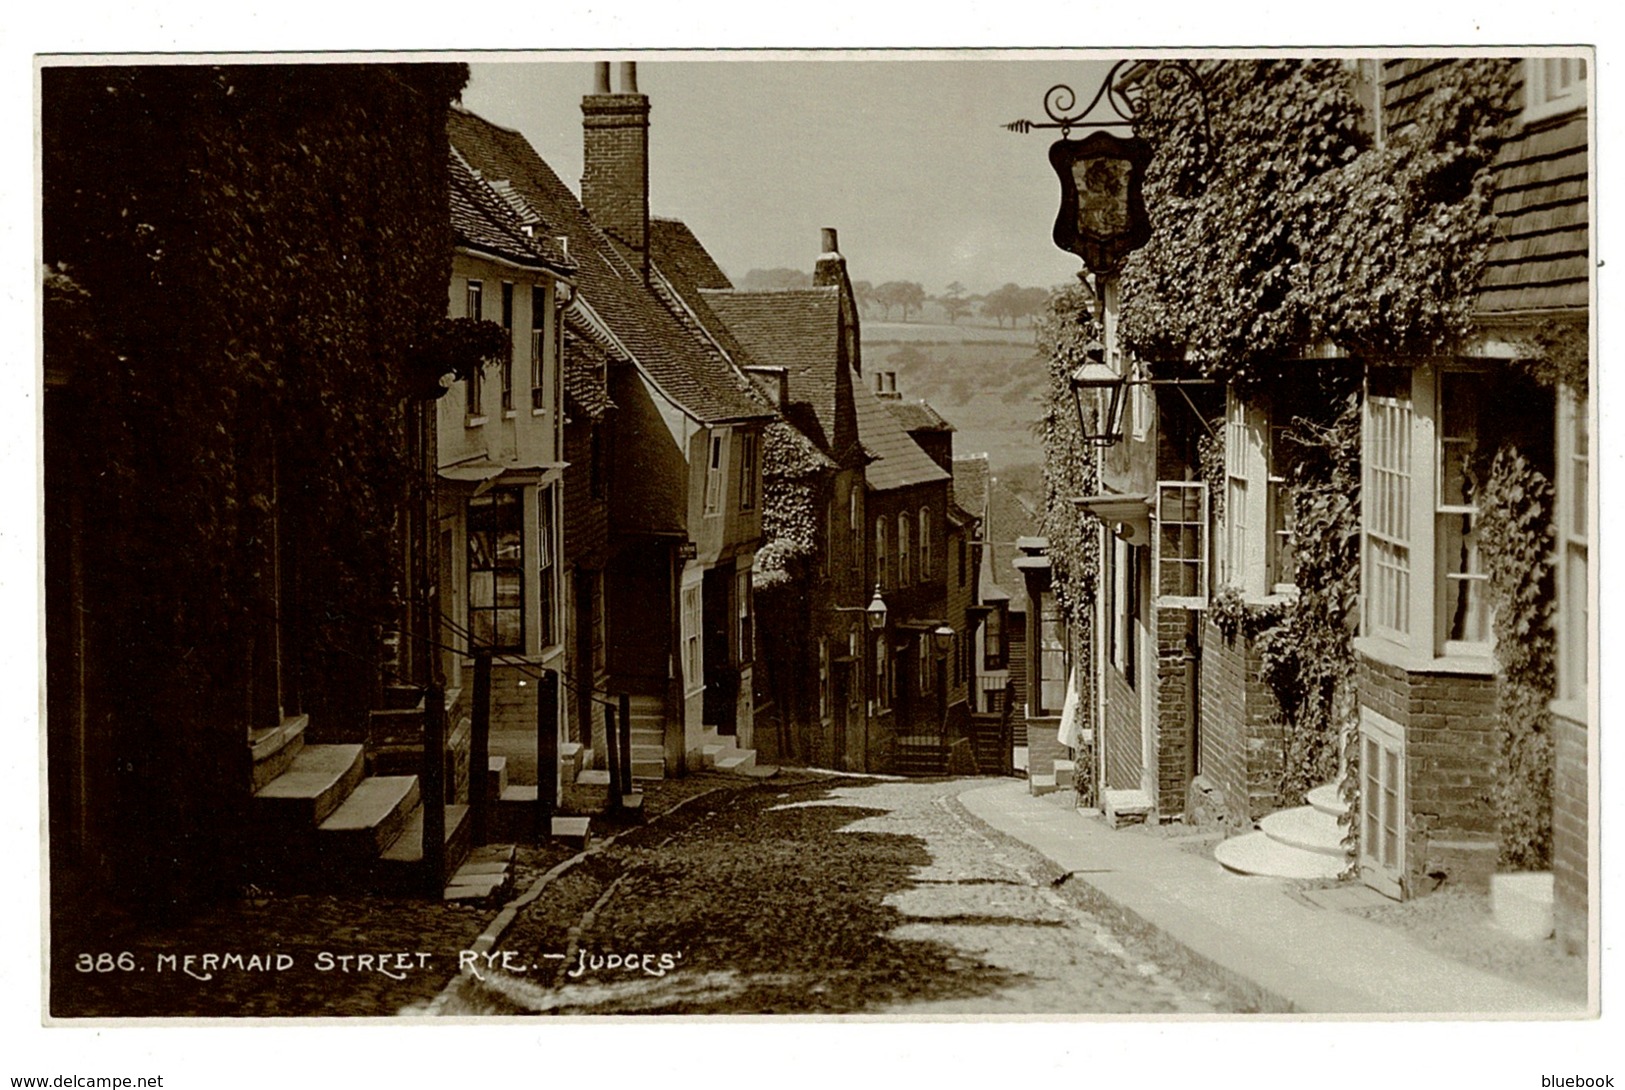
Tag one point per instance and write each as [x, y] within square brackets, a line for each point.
[864, 292]
[1014, 302]
[954, 303]
[904, 294]
[775, 279]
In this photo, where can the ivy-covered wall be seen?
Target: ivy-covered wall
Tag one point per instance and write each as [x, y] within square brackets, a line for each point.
[257, 248]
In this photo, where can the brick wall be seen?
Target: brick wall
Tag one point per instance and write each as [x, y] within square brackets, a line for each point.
[1043, 749]
[1122, 733]
[1242, 735]
[615, 169]
[1452, 744]
[1570, 841]
[1173, 712]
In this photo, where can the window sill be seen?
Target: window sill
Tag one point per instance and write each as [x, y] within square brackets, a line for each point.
[474, 421]
[1575, 711]
[1412, 661]
[508, 414]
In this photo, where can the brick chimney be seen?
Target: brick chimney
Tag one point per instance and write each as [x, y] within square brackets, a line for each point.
[830, 272]
[615, 175]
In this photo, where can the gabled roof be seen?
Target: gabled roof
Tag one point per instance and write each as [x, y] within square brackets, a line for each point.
[671, 357]
[682, 256]
[484, 223]
[899, 461]
[797, 329]
[971, 480]
[917, 415]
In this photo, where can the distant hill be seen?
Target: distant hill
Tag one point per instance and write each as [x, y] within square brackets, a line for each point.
[986, 382]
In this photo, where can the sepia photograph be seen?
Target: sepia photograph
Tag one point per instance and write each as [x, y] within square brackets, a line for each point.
[885, 535]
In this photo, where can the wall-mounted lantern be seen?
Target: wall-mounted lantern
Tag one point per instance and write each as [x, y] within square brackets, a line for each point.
[1091, 379]
[874, 614]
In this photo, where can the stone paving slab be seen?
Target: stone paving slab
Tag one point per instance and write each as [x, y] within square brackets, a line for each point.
[1301, 958]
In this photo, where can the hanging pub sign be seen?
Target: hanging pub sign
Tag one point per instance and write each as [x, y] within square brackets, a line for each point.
[1103, 217]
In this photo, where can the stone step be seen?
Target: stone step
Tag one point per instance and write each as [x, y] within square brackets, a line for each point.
[575, 832]
[1305, 827]
[1064, 770]
[571, 756]
[710, 752]
[273, 749]
[496, 777]
[372, 817]
[1327, 799]
[1257, 854]
[1041, 784]
[315, 784]
[1120, 807]
[589, 794]
[648, 768]
[400, 865]
[738, 760]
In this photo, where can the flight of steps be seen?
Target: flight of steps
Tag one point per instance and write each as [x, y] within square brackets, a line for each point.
[723, 755]
[514, 812]
[923, 755]
[648, 715]
[1301, 842]
[317, 820]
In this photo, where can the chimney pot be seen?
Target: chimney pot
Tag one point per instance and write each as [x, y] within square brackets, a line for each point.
[828, 240]
[600, 80]
[629, 77]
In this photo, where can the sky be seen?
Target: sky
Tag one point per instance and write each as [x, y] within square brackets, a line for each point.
[903, 153]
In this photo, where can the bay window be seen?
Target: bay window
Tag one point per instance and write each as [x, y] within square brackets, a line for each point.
[496, 571]
[1425, 456]
[1573, 538]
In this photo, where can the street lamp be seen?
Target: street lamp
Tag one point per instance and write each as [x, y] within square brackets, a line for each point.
[1093, 377]
[876, 611]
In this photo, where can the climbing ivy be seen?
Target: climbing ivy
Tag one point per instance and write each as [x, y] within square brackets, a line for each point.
[258, 248]
[1064, 332]
[1299, 228]
[1516, 537]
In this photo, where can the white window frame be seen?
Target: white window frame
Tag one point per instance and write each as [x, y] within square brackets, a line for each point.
[1573, 518]
[693, 647]
[745, 627]
[1175, 498]
[1389, 549]
[474, 387]
[505, 367]
[1444, 591]
[549, 584]
[1382, 803]
[1553, 85]
[747, 470]
[1243, 547]
[713, 474]
[1280, 558]
[1402, 619]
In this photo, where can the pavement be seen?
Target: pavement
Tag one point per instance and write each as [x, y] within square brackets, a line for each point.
[1283, 953]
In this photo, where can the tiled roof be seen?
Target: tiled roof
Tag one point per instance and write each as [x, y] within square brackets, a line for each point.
[799, 330]
[917, 415]
[899, 461]
[672, 357]
[483, 222]
[971, 477]
[585, 363]
[680, 254]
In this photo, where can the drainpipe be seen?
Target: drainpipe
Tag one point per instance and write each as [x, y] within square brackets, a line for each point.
[1193, 693]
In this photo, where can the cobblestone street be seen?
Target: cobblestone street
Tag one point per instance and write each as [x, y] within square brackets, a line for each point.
[827, 896]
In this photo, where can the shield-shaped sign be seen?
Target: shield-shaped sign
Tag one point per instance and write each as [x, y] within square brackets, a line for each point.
[1103, 217]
